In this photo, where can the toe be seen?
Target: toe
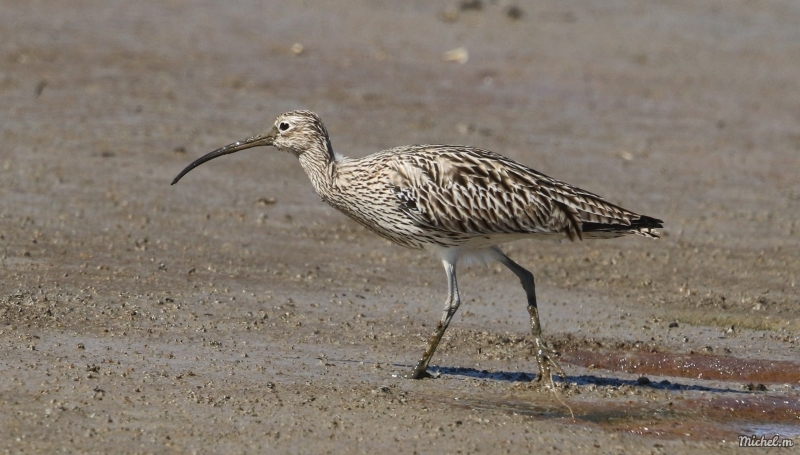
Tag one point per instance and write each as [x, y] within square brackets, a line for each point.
[418, 375]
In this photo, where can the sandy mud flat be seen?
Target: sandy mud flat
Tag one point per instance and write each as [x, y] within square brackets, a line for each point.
[236, 313]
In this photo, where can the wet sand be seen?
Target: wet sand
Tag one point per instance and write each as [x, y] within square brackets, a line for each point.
[236, 313]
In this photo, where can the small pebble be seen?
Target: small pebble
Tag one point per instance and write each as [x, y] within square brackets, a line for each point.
[458, 55]
[514, 12]
[473, 5]
[755, 387]
[265, 201]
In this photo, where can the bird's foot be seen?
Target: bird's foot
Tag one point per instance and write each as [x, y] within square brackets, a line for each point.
[415, 374]
[545, 357]
[420, 371]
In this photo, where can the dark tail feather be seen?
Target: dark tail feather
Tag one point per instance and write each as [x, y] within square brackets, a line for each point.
[644, 225]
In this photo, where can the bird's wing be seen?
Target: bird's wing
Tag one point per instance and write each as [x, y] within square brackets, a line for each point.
[470, 191]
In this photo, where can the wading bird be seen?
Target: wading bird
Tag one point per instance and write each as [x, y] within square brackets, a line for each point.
[456, 201]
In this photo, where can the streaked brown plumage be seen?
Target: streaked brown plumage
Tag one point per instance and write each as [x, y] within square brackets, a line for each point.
[456, 201]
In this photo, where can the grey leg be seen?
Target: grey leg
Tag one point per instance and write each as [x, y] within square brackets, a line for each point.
[450, 307]
[544, 355]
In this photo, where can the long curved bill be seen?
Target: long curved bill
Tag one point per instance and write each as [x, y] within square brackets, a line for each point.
[254, 141]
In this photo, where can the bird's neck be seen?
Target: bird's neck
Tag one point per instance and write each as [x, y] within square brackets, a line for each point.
[320, 165]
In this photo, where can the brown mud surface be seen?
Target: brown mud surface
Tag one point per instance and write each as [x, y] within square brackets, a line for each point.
[236, 313]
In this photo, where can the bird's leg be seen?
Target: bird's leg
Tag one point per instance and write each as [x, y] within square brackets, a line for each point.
[450, 307]
[544, 355]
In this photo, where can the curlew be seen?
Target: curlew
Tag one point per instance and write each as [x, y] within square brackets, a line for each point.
[456, 201]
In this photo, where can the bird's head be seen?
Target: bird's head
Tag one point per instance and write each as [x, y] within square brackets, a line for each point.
[296, 132]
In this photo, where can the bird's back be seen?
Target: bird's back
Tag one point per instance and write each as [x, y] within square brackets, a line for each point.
[451, 195]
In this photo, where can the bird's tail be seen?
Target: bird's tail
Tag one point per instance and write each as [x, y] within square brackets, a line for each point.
[643, 225]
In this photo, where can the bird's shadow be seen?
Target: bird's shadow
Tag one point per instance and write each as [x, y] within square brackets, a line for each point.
[520, 376]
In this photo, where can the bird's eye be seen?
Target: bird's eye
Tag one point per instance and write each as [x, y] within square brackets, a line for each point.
[283, 126]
